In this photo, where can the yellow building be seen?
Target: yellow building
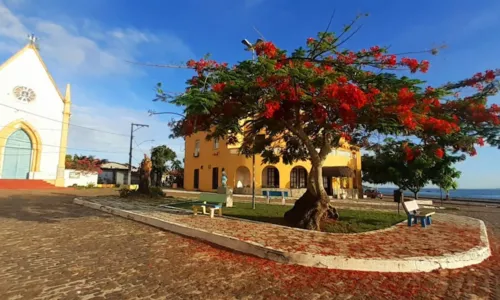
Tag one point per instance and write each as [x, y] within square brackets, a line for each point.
[205, 160]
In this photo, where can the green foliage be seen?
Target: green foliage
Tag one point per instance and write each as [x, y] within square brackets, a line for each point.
[390, 163]
[83, 163]
[219, 99]
[444, 175]
[156, 192]
[160, 156]
[351, 221]
[321, 95]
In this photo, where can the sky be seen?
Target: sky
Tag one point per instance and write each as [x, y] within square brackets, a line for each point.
[90, 44]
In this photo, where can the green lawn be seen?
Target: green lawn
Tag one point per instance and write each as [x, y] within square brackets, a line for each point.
[351, 221]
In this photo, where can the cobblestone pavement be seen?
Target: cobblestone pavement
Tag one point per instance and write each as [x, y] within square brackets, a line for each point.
[53, 249]
[448, 234]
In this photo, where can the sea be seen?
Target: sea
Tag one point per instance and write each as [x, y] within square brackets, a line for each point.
[489, 195]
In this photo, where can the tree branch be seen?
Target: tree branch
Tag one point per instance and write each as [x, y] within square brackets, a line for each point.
[315, 158]
[350, 36]
[323, 35]
[159, 65]
[327, 145]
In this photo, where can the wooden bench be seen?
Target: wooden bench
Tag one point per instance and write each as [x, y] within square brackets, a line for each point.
[412, 211]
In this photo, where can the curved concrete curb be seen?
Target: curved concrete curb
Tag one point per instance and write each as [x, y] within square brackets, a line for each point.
[411, 264]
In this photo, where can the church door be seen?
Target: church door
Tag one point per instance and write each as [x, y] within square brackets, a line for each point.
[17, 156]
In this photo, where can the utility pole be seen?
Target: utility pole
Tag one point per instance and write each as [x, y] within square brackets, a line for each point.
[129, 177]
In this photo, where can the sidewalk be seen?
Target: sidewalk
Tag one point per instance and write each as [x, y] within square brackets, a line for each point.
[450, 242]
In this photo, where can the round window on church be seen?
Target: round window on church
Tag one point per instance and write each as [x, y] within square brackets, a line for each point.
[24, 94]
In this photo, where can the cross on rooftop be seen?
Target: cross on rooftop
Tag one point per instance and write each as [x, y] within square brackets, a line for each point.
[32, 38]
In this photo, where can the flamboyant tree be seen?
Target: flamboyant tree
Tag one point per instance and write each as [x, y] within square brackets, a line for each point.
[320, 96]
[404, 164]
[85, 164]
[145, 176]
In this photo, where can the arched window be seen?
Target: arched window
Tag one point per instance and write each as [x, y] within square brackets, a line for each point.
[270, 177]
[298, 178]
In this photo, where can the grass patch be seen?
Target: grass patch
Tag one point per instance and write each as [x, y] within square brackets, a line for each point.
[351, 221]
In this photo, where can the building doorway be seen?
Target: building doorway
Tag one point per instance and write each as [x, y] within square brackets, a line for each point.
[215, 178]
[196, 184]
[327, 184]
[17, 156]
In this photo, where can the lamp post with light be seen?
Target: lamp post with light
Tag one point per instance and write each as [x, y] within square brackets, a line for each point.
[252, 48]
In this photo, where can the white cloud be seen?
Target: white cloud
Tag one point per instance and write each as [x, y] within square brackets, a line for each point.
[103, 117]
[86, 48]
[85, 52]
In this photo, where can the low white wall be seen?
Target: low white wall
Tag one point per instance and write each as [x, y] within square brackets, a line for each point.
[72, 177]
[42, 175]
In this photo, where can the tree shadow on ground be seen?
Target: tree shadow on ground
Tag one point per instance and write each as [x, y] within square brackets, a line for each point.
[44, 208]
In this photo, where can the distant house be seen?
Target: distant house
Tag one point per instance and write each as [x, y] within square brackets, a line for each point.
[117, 173]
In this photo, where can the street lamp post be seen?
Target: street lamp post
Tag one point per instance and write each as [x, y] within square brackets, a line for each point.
[144, 142]
[251, 47]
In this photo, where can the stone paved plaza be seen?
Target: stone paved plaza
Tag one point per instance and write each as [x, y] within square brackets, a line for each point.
[54, 249]
[448, 234]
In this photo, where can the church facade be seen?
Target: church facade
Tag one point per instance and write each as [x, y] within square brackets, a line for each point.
[34, 119]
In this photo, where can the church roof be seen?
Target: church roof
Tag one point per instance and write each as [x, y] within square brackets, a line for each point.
[31, 46]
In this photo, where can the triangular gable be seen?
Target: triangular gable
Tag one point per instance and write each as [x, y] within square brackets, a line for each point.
[32, 47]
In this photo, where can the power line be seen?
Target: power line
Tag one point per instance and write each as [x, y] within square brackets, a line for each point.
[139, 148]
[56, 146]
[70, 124]
[38, 129]
[51, 152]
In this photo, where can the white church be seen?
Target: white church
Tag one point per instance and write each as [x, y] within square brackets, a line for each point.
[34, 119]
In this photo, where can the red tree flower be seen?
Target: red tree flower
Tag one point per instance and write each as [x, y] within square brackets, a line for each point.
[266, 48]
[411, 63]
[218, 87]
[439, 153]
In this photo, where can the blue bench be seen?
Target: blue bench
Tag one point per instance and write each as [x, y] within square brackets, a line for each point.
[275, 193]
[411, 208]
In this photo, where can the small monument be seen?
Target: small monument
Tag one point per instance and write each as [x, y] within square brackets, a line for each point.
[225, 190]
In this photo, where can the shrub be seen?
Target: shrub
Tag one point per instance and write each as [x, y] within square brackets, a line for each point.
[125, 192]
[156, 192]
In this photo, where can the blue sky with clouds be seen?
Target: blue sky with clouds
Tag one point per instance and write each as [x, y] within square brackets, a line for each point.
[87, 43]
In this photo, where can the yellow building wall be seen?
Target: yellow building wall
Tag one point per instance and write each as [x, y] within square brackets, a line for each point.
[223, 157]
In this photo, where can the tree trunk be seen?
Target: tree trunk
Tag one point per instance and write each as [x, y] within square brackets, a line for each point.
[158, 178]
[144, 182]
[415, 195]
[314, 205]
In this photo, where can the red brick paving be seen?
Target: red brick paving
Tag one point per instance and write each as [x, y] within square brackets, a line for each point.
[447, 234]
[52, 249]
